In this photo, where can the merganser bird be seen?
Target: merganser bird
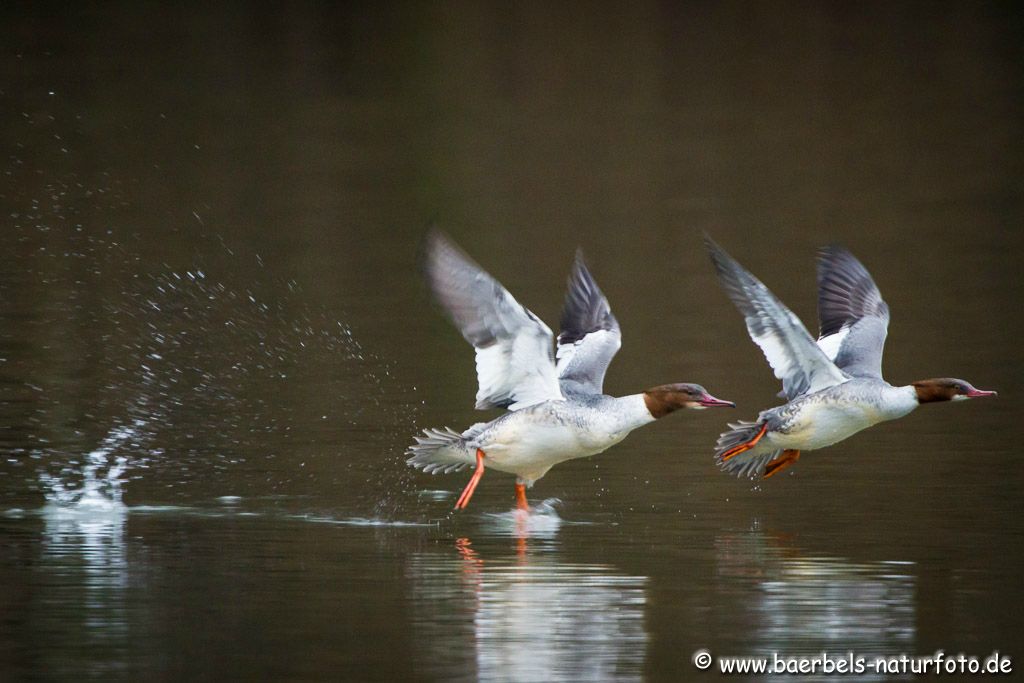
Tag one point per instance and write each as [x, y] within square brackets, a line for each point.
[557, 410]
[834, 387]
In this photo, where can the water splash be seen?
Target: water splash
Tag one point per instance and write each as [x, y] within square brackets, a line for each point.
[542, 521]
[102, 477]
[231, 374]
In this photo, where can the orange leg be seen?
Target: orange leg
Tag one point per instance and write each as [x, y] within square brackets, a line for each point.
[780, 463]
[467, 492]
[740, 448]
[521, 502]
[522, 520]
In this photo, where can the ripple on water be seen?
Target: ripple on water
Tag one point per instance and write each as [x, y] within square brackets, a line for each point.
[359, 521]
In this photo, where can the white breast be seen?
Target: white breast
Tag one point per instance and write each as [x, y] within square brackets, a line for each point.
[519, 448]
[821, 424]
[825, 422]
[530, 442]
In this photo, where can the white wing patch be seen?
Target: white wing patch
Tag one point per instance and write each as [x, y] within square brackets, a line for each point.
[509, 371]
[831, 343]
[783, 348]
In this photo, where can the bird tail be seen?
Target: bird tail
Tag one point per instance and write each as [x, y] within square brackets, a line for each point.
[740, 451]
[441, 451]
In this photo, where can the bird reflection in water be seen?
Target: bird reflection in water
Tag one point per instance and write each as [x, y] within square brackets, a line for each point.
[526, 615]
[84, 553]
[796, 603]
[540, 522]
[472, 565]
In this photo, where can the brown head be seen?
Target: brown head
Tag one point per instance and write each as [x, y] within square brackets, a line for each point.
[946, 389]
[668, 398]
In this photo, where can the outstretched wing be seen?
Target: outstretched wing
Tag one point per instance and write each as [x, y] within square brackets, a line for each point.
[796, 359]
[854, 318]
[515, 367]
[590, 335]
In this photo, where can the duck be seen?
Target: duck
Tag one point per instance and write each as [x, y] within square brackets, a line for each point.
[556, 408]
[833, 386]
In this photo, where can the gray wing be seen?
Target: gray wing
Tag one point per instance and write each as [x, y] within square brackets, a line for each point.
[514, 364]
[590, 335]
[796, 359]
[854, 318]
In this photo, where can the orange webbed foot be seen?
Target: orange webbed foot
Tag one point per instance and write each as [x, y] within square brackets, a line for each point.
[780, 463]
[740, 448]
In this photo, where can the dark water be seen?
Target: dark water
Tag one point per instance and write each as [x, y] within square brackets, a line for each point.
[210, 310]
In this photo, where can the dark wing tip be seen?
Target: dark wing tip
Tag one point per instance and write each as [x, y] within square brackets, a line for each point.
[459, 286]
[832, 248]
[846, 290]
[431, 246]
[579, 276]
[433, 253]
[837, 263]
[720, 258]
[734, 277]
[436, 241]
[835, 256]
[586, 308]
[580, 270]
[434, 238]
[439, 252]
[711, 245]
